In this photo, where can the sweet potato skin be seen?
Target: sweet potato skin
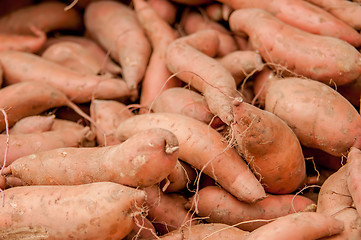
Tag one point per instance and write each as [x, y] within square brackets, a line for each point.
[279, 43]
[261, 139]
[141, 161]
[90, 211]
[210, 153]
[33, 124]
[320, 116]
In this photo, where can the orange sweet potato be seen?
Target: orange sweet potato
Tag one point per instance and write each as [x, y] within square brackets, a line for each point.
[207, 76]
[33, 124]
[157, 76]
[220, 206]
[143, 160]
[165, 9]
[317, 57]
[46, 16]
[261, 138]
[115, 26]
[80, 88]
[293, 12]
[90, 211]
[201, 147]
[321, 117]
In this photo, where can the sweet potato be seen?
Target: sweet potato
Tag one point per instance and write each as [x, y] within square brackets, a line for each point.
[108, 114]
[192, 2]
[142, 229]
[143, 160]
[336, 200]
[100, 55]
[33, 124]
[347, 11]
[261, 138]
[219, 87]
[166, 211]
[280, 44]
[89, 211]
[28, 143]
[193, 22]
[201, 147]
[73, 56]
[26, 43]
[320, 116]
[214, 11]
[64, 124]
[220, 206]
[165, 9]
[293, 12]
[46, 16]
[157, 76]
[38, 98]
[186, 102]
[115, 26]
[353, 176]
[78, 87]
[212, 231]
[242, 64]
[298, 226]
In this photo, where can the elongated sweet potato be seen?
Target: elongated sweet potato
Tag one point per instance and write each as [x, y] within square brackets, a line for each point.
[165, 9]
[38, 98]
[157, 76]
[143, 160]
[347, 11]
[33, 124]
[46, 16]
[299, 226]
[80, 88]
[201, 147]
[115, 26]
[29, 143]
[317, 57]
[220, 206]
[90, 211]
[207, 76]
[353, 176]
[108, 114]
[212, 231]
[26, 43]
[321, 117]
[293, 12]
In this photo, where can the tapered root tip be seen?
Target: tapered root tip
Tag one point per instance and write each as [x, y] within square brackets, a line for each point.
[169, 149]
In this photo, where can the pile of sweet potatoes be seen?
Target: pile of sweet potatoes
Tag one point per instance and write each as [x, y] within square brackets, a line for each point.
[178, 119]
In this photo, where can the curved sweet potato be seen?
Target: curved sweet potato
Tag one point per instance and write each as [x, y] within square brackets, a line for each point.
[321, 117]
[207, 76]
[90, 211]
[157, 76]
[293, 12]
[261, 138]
[80, 88]
[220, 206]
[115, 26]
[201, 147]
[141, 161]
[46, 16]
[320, 58]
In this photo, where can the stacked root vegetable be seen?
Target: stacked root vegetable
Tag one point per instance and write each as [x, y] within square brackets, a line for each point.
[178, 119]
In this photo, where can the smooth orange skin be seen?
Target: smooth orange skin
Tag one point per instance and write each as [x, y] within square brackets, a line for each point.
[33, 124]
[321, 117]
[25, 43]
[165, 9]
[313, 56]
